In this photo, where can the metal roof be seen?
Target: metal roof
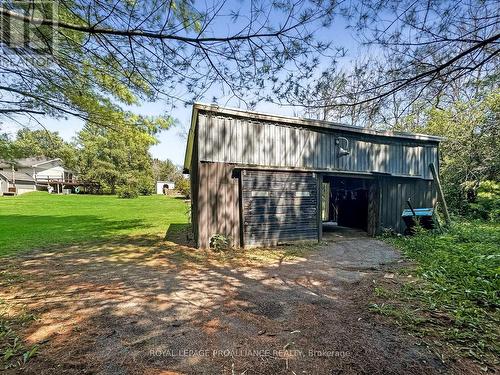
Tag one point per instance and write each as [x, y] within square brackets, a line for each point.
[292, 121]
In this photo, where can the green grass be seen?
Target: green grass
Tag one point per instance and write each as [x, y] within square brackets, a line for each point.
[39, 220]
[455, 300]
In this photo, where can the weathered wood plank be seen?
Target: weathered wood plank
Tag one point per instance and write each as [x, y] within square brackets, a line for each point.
[285, 207]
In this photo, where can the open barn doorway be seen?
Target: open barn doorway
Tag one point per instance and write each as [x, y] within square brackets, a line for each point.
[346, 205]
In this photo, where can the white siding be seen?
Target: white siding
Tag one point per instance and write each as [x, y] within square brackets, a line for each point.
[22, 188]
[48, 173]
[161, 184]
[4, 186]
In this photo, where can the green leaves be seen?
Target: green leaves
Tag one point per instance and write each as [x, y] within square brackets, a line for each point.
[34, 143]
[459, 275]
[126, 52]
[118, 156]
[13, 352]
[470, 153]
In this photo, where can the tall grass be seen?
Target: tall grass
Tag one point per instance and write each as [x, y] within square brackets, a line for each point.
[457, 293]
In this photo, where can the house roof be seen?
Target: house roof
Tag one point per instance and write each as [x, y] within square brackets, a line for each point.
[18, 176]
[36, 162]
[292, 121]
[33, 162]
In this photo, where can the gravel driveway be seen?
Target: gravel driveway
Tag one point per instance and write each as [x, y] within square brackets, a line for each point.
[139, 308]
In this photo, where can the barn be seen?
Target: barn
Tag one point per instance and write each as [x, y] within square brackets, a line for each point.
[263, 179]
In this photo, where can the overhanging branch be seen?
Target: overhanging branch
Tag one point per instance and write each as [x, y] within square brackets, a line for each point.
[142, 33]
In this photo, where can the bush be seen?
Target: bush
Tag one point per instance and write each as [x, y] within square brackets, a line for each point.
[134, 185]
[146, 189]
[128, 191]
[486, 204]
[219, 242]
[183, 186]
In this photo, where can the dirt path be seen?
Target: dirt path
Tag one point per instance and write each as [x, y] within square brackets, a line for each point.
[138, 309]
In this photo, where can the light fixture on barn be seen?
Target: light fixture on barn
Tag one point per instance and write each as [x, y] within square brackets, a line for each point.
[342, 151]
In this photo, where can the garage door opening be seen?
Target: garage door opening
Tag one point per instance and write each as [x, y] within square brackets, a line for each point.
[345, 203]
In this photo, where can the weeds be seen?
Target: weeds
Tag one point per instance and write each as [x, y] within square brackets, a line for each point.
[8, 277]
[13, 352]
[280, 253]
[404, 316]
[220, 242]
[457, 292]
[382, 292]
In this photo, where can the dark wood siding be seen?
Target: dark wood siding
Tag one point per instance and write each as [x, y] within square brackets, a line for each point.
[279, 207]
[195, 187]
[373, 208]
[217, 203]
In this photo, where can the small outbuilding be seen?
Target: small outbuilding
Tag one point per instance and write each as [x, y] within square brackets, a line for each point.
[162, 187]
[264, 179]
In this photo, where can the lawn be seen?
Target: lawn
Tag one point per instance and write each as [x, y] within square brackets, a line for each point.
[39, 220]
[453, 302]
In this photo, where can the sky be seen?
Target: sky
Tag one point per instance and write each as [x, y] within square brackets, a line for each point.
[172, 143]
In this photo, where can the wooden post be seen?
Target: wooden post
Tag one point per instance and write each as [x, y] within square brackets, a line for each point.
[374, 196]
[440, 193]
[319, 197]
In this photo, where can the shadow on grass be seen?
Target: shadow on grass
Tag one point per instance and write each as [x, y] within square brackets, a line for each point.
[181, 197]
[135, 296]
[25, 232]
[180, 234]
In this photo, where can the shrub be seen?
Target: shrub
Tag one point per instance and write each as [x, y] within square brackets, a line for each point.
[134, 185]
[146, 189]
[183, 186]
[128, 191]
[486, 204]
[219, 242]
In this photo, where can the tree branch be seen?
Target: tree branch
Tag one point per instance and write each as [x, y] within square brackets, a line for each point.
[142, 33]
[20, 110]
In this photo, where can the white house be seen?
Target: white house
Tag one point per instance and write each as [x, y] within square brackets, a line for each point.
[42, 169]
[23, 175]
[161, 186]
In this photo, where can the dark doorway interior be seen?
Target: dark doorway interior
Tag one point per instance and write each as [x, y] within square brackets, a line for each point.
[345, 202]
